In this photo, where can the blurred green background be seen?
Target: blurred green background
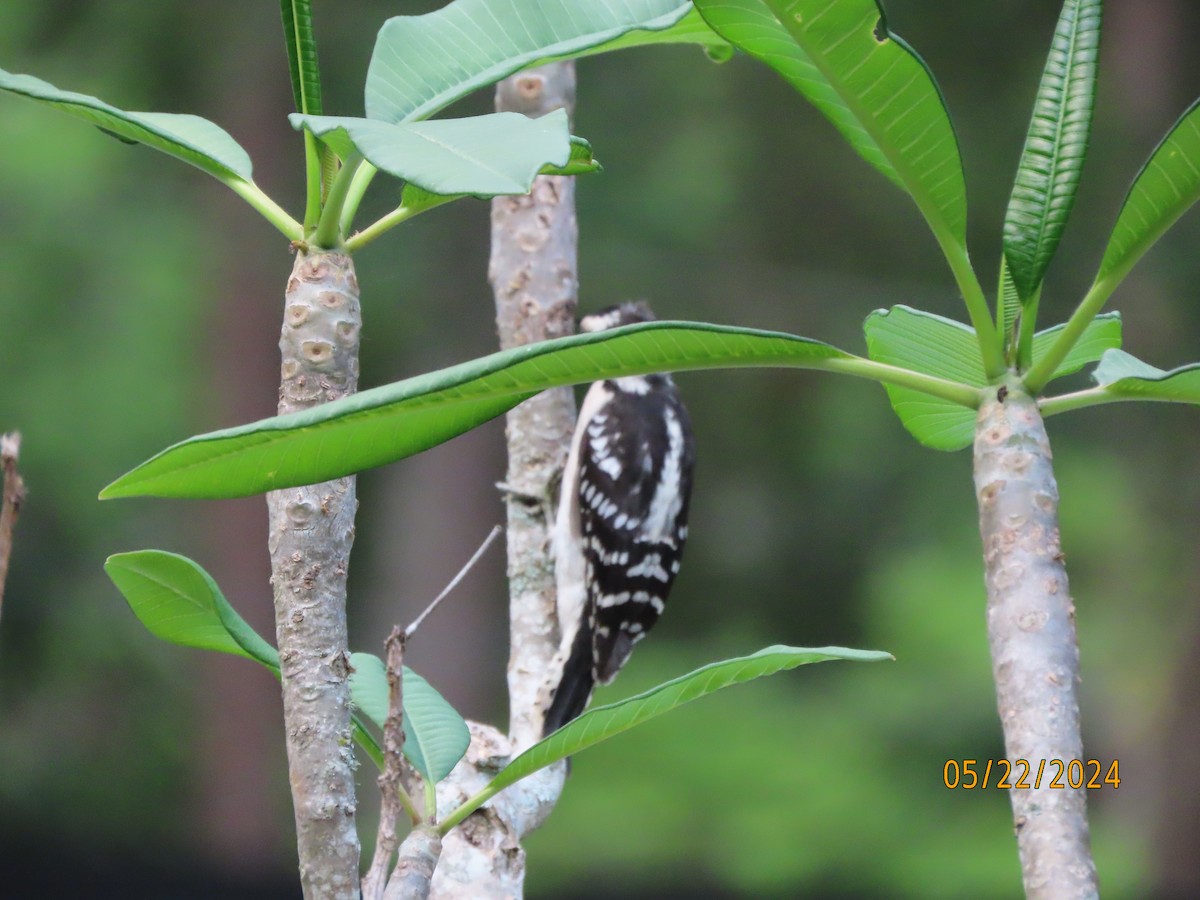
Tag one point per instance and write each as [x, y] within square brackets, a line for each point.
[140, 303]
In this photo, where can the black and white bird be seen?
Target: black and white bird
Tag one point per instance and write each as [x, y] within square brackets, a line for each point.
[621, 522]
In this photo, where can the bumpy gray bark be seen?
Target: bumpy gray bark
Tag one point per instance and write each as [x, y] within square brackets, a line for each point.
[1031, 630]
[311, 532]
[533, 275]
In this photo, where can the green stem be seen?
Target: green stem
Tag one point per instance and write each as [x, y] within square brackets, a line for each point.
[268, 208]
[954, 391]
[431, 802]
[328, 233]
[1042, 371]
[312, 181]
[354, 194]
[990, 348]
[466, 808]
[1028, 327]
[1051, 406]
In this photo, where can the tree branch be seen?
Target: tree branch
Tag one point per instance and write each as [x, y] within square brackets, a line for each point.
[10, 503]
[1031, 630]
[533, 274]
[311, 533]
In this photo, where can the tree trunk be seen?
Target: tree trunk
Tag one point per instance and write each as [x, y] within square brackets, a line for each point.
[1031, 631]
[533, 275]
[311, 532]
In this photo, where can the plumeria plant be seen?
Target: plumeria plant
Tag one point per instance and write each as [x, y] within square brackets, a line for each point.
[983, 383]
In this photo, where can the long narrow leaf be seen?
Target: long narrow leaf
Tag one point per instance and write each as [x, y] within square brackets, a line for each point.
[421, 64]
[190, 138]
[871, 85]
[1163, 190]
[604, 722]
[1051, 163]
[387, 423]
[301, 46]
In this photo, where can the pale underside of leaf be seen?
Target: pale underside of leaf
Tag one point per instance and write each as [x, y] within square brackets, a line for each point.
[189, 138]
[421, 64]
[1128, 378]
[482, 156]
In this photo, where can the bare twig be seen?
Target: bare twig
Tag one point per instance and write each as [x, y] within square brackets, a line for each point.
[10, 505]
[1031, 630]
[462, 573]
[397, 782]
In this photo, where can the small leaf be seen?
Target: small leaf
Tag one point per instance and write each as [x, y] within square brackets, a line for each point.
[871, 85]
[924, 342]
[1010, 305]
[179, 602]
[1163, 190]
[435, 735]
[1128, 378]
[580, 162]
[387, 423]
[190, 138]
[1051, 163]
[483, 156]
[921, 341]
[422, 64]
[603, 722]
[1102, 334]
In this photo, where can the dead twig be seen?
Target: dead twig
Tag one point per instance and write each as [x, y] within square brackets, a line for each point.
[400, 785]
[454, 582]
[10, 505]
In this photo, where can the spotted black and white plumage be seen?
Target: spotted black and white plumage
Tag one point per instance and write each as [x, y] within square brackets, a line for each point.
[621, 523]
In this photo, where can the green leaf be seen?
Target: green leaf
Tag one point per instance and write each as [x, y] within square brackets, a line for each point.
[603, 722]
[580, 162]
[1103, 334]
[483, 156]
[921, 341]
[422, 64]
[302, 54]
[872, 86]
[435, 735]
[1163, 190]
[1125, 377]
[391, 422]
[190, 138]
[924, 342]
[415, 200]
[1010, 304]
[179, 602]
[1051, 163]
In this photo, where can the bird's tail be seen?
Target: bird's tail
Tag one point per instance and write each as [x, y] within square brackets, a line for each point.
[575, 684]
